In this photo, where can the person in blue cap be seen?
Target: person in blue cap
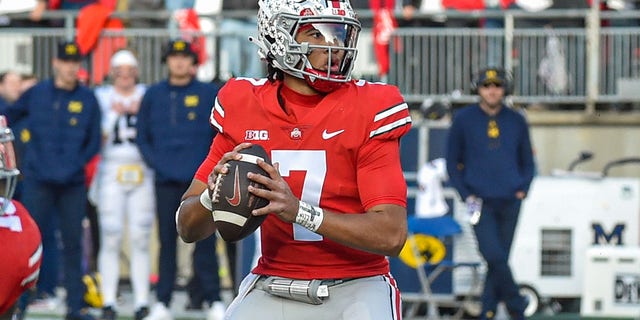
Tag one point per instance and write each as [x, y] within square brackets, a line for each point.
[174, 136]
[490, 163]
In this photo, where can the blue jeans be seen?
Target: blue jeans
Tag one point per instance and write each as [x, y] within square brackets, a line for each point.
[495, 232]
[66, 203]
[205, 259]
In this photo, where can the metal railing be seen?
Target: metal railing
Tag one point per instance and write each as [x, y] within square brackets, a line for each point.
[434, 63]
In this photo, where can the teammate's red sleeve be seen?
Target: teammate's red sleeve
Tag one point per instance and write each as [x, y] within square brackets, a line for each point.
[21, 254]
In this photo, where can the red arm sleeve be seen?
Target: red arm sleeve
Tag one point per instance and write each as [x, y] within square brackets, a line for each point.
[380, 174]
[221, 144]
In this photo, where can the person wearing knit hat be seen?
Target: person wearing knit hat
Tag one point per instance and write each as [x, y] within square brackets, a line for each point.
[123, 188]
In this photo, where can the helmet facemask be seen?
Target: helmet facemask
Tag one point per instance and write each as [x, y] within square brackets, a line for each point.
[293, 31]
[8, 168]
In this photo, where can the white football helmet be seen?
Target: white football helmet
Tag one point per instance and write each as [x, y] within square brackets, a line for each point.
[279, 22]
[8, 167]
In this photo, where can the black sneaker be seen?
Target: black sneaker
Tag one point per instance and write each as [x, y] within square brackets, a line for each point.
[141, 313]
[82, 314]
[193, 306]
[109, 314]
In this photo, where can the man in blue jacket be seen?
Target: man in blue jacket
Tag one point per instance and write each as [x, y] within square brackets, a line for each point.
[490, 164]
[174, 136]
[62, 119]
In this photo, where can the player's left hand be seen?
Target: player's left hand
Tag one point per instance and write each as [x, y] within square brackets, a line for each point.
[282, 202]
[221, 167]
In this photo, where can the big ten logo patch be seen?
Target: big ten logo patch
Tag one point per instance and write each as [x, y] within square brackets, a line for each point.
[253, 135]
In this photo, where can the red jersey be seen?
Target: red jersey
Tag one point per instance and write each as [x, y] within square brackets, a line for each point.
[20, 256]
[339, 152]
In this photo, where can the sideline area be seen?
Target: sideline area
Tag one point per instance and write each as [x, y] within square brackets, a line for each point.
[125, 306]
[125, 309]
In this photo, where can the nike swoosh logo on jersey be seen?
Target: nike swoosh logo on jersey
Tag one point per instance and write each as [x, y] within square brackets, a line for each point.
[328, 135]
[235, 200]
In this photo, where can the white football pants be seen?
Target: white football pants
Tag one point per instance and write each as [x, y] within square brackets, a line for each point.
[119, 204]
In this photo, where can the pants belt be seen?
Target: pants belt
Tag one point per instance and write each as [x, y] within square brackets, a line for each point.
[308, 291]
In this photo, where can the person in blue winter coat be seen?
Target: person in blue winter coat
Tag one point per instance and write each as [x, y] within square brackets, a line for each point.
[174, 136]
[62, 122]
[490, 163]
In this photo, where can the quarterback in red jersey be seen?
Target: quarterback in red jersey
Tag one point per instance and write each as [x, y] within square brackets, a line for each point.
[337, 195]
[21, 252]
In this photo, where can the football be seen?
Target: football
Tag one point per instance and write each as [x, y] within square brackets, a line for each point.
[231, 200]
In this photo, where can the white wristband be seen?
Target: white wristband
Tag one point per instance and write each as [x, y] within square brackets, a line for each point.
[205, 200]
[309, 217]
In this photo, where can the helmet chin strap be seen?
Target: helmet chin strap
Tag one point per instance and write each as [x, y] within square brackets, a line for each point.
[318, 83]
[321, 85]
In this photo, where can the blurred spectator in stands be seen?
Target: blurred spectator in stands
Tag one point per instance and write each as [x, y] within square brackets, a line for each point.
[495, 5]
[238, 56]
[172, 5]
[361, 6]
[569, 22]
[7, 8]
[463, 5]
[540, 5]
[432, 7]
[384, 23]
[43, 5]
[494, 43]
[622, 5]
[179, 10]
[38, 11]
[10, 87]
[144, 5]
